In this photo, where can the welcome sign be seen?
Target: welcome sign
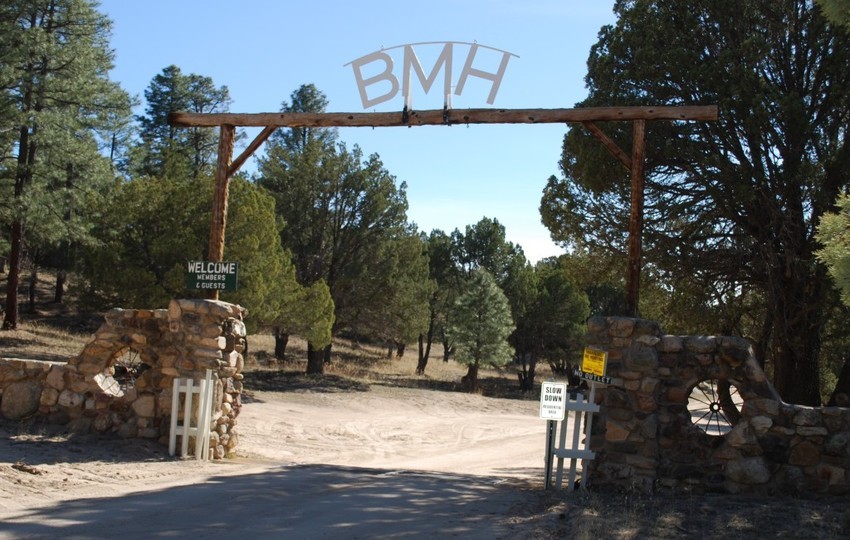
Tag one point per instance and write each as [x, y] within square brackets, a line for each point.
[378, 82]
[217, 276]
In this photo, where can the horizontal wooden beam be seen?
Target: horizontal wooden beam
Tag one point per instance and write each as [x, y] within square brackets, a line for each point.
[441, 117]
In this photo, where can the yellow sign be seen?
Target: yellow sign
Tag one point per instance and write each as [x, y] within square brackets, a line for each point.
[593, 361]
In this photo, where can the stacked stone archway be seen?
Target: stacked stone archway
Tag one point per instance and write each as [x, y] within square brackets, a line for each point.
[646, 438]
[185, 340]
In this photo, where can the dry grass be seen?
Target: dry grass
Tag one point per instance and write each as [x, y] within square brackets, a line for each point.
[356, 365]
[589, 515]
[39, 341]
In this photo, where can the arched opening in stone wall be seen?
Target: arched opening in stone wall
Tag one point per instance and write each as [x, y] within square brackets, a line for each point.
[128, 366]
[715, 406]
[124, 368]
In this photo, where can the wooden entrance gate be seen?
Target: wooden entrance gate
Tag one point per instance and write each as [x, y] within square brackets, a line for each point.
[634, 162]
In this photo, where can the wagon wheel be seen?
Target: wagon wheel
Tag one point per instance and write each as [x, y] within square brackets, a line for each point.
[714, 406]
[128, 366]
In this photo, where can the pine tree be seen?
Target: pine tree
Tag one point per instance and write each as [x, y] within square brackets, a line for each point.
[481, 326]
[54, 64]
[178, 152]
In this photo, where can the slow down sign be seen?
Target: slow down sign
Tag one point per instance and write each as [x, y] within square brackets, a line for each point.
[553, 400]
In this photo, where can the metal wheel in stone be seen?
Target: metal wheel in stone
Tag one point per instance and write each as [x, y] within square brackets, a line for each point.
[128, 366]
[715, 406]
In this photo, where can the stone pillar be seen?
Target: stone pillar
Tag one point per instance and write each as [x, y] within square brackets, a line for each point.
[625, 435]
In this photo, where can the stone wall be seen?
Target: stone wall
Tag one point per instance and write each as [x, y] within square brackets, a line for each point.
[648, 438]
[122, 380]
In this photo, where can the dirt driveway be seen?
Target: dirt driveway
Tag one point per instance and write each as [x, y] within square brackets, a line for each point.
[376, 462]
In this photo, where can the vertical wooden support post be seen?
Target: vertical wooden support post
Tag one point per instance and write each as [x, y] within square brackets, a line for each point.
[636, 217]
[222, 186]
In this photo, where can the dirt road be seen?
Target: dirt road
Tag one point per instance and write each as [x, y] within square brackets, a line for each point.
[382, 463]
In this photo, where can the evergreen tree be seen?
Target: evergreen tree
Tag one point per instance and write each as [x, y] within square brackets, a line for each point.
[447, 280]
[342, 216]
[732, 205]
[481, 326]
[178, 152]
[551, 326]
[139, 236]
[837, 11]
[54, 64]
[834, 234]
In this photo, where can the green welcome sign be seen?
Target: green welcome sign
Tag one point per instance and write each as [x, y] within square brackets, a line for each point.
[207, 275]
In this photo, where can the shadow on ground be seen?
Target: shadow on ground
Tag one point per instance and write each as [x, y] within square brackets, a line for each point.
[291, 502]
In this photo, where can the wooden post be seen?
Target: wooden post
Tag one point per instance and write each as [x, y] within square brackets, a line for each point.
[635, 218]
[222, 186]
[587, 116]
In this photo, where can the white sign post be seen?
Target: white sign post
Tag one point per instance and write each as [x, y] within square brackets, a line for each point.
[553, 401]
[553, 408]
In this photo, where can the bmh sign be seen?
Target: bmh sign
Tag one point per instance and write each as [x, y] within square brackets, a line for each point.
[374, 72]
[216, 276]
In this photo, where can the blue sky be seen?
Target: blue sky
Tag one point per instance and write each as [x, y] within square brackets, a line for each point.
[263, 50]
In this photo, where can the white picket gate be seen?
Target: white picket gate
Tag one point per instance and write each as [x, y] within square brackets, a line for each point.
[580, 409]
[185, 429]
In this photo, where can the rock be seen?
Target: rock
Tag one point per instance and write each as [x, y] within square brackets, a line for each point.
[622, 326]
[596, 325]
[807, 416]
[56, 378]
[49, 397]
[761, 424]
[70, 399]
[805, 453]
[741, 435]
[642, 358]
[649, 341]
[671, 344]
[616, 432]
[700, 344]
[102, 422]
[20, 399]
[831, 474]
[145, 406]
[838, 445]
[732, 353]
[748, 471]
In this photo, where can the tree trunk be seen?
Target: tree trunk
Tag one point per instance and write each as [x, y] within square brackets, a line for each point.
[797, 336]
[59, 293]
[31, 288]
[315, 360]
[399, 349]
[10, 320]
[526, 375]
[390, 348]
[470, 380]
[281, 340]
[424, 352]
